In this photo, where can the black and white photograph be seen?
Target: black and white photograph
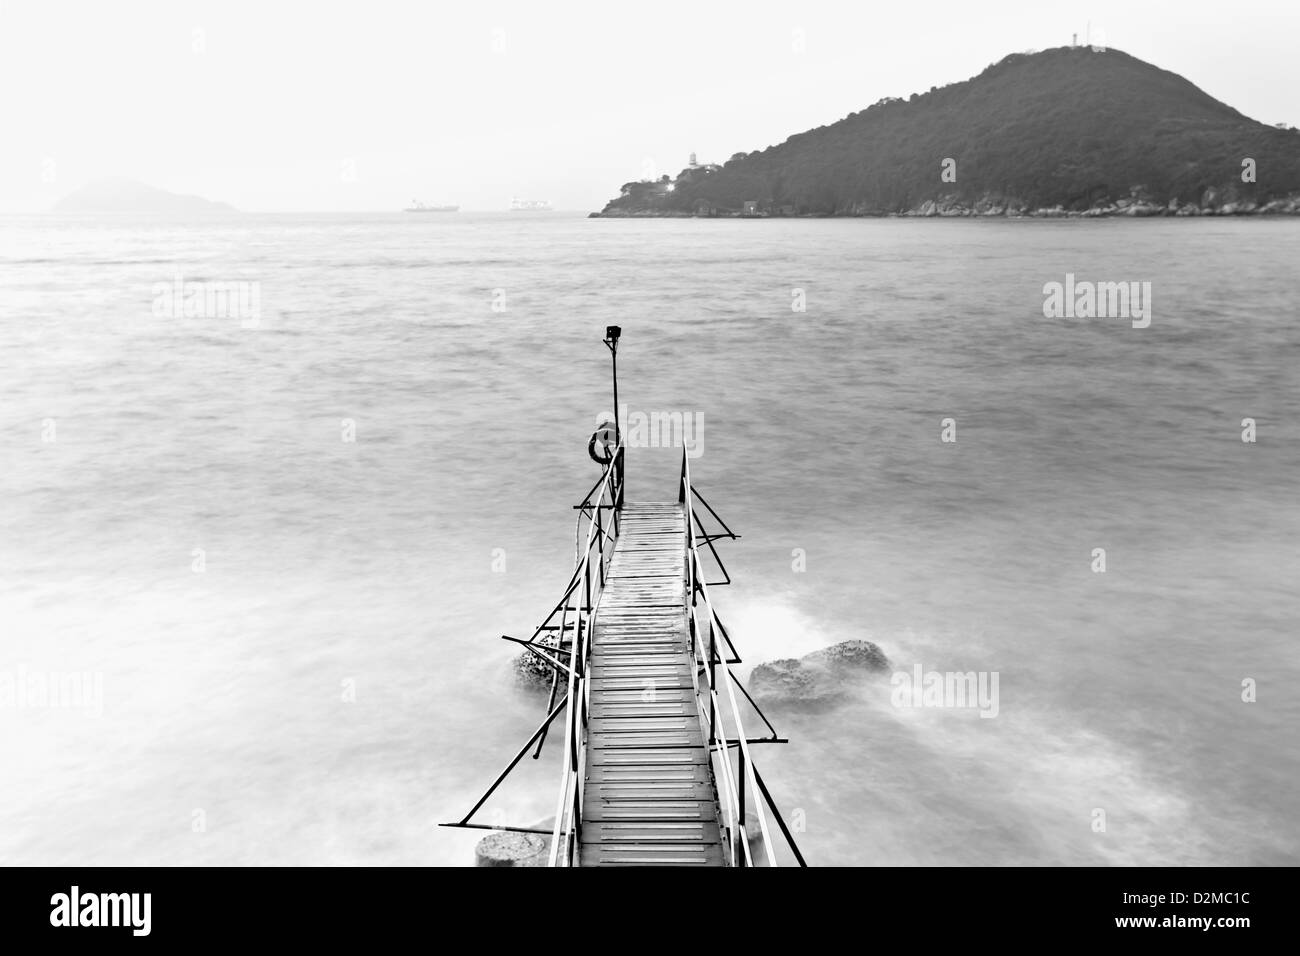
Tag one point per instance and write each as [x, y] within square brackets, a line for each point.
[665, 436]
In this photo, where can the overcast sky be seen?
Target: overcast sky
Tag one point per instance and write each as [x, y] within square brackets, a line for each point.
[276, 105]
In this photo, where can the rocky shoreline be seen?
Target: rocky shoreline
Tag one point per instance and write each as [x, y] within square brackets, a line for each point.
[988, 207]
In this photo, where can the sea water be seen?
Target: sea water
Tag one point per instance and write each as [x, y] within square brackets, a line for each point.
[284, 546]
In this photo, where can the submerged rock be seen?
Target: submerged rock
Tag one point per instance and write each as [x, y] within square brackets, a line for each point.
[531, 671]
[821, 677]
[508, 848]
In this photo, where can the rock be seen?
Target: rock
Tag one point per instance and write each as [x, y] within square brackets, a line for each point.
[508, 848]
[821, 677]
[1143, 208]
[531, 671]
[1238, 207]
[1289, 205]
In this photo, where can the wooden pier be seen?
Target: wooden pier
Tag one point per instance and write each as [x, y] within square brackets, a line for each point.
[649, 797]
[656, 768]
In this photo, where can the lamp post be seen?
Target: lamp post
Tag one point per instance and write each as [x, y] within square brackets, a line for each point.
[612, 332]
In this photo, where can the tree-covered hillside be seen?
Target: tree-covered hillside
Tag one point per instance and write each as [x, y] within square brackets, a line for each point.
[1071, 127]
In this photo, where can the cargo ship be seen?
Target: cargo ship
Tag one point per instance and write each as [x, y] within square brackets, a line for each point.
[417, 206]
[530, 205]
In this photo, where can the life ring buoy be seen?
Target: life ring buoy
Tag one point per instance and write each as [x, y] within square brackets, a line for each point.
[604, 437]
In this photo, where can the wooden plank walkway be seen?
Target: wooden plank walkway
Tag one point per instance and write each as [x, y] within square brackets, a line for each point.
[649, 796]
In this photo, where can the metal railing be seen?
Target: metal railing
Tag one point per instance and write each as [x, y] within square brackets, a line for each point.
[575, 611]
[743, 796]
[563, 642]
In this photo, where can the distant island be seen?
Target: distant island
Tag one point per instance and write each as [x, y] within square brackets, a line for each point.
[127, 195]
[1073, 131]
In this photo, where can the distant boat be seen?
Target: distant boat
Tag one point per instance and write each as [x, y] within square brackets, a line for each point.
[529, 205]
[422, 207]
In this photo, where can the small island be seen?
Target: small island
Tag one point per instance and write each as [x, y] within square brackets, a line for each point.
[1072, 131]
[129, 196]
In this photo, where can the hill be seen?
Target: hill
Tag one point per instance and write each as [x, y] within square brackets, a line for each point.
[126, 195]
[1065, 130]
